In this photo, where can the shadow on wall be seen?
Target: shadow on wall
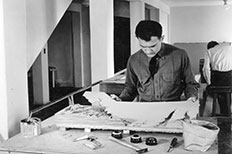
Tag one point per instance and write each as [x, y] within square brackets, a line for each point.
[195, 51]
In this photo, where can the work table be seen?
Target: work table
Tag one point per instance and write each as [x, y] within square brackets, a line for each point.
[56, 141]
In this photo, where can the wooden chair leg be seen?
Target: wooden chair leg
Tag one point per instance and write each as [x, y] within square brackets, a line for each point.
[214, 104]
[202, 103]
[228, 101]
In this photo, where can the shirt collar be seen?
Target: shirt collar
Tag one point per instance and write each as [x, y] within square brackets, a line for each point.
[161, 53]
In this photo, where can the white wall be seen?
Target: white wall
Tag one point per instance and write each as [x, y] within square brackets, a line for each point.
[164, 21]
[42, 18]
[137, 13]
[25, 27]
[200, 24]
[101, 34]
[195, 51]
[13, 69]
[193, 26]
[3, 85]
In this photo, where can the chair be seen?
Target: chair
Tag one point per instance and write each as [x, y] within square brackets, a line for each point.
[221, 83]
[214, 91]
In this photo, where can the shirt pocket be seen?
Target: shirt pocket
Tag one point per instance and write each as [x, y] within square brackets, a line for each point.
[168, 77]
[170, 80]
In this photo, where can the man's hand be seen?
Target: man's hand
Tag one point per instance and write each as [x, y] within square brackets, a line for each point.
[193, 99]
[113, 96]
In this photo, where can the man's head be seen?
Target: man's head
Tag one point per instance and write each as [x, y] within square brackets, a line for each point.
[149, 34]
[212, 44]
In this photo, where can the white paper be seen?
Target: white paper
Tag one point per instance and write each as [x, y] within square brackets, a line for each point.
[154, 112]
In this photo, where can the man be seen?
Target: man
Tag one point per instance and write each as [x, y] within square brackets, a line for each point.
[217, 70]
[218, 58]
[158, 71]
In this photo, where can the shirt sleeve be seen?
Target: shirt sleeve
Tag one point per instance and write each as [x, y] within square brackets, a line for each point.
[206, 68]
[191, 86]
[130, 91]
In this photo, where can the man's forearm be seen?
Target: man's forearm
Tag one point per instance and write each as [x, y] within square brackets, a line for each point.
[127, 94]
[191, 90]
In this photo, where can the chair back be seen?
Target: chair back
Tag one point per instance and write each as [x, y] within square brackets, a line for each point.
[221, 78]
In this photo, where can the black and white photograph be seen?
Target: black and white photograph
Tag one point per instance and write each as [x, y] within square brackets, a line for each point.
[115, 76]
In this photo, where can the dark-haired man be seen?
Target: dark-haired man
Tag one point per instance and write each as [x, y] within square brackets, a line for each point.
[158, 71]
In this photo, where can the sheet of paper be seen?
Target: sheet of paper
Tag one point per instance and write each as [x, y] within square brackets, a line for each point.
[144, 111]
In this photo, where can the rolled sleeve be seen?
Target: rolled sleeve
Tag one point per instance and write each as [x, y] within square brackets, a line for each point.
[206, 68]
[191, 86]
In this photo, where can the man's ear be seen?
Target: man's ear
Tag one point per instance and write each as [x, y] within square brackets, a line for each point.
[162, 38]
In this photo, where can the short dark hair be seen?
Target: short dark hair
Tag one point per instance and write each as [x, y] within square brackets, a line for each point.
[148, 28]
[212, 44]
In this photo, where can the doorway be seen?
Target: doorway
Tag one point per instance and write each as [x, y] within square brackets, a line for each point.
[69, 51]
[121, 34]
[68, 58]
[121, 43]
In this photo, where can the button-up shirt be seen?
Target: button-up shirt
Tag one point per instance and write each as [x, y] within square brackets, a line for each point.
[218, 58]
[174, 77]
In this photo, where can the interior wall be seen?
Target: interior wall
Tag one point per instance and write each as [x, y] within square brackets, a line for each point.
[193, 26]
[40, 91]
[200, 24]
[164, 21]
[27, 26]
[13, 71]
[101, 28]
[42, 17]
[3, 87]
[85, 34]
[195, 51]
[137, 13]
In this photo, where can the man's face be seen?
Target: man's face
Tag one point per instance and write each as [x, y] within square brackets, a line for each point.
[152, 47]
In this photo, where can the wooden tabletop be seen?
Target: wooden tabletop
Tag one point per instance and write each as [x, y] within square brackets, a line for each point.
[55, 141]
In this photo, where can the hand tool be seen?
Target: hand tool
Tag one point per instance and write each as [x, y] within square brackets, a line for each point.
[138, 150]
[86, 137]
[172, 144]
[94, 143]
